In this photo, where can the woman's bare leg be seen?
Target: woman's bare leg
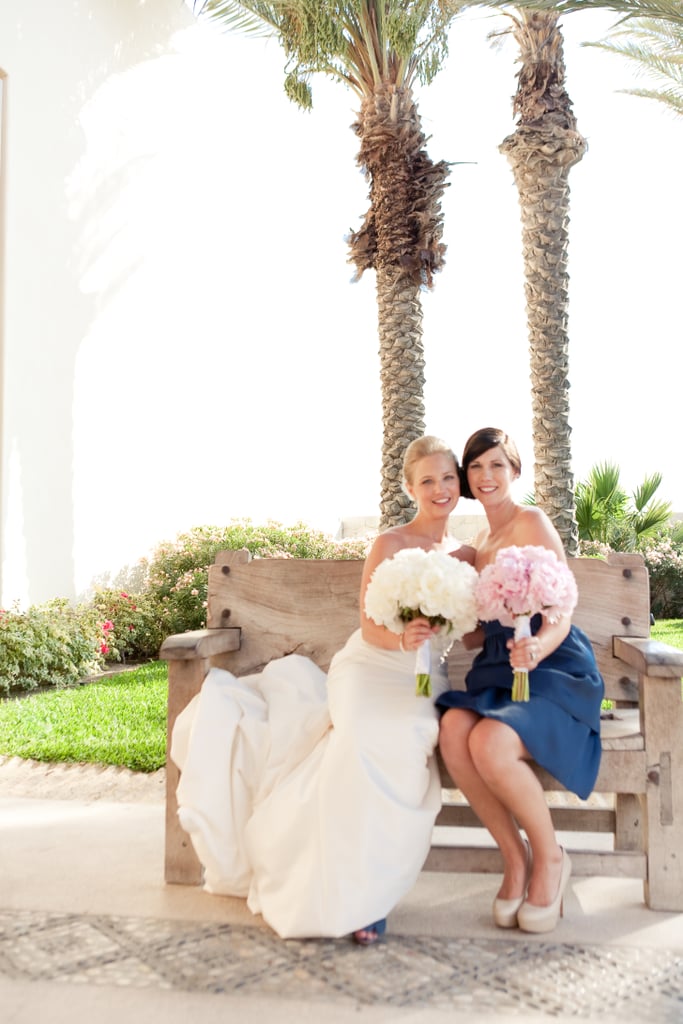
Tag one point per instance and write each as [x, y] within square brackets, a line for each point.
[457, 728]
[500, 761]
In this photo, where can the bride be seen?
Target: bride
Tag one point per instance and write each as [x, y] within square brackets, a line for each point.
[315, 797]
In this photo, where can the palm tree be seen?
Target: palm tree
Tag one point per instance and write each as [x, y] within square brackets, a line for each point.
[650, 34]
[607, 515]
[379, 49]
[541, 151]
[655, 46]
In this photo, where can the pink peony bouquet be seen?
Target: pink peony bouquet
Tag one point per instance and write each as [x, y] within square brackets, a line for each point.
[520, 583]
[430, 584]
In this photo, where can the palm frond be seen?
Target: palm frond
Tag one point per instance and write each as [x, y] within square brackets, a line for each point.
[645, 493]
[255, 17]
[668, 10]
[655, 48]
[652, 519]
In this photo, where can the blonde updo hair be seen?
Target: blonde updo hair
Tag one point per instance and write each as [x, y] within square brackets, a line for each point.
[421, 447]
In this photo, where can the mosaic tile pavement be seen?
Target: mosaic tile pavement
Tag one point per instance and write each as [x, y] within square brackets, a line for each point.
[521, 978]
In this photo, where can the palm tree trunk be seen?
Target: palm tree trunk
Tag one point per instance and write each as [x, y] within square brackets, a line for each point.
[541, 151]
[401, 240]
[402, 380]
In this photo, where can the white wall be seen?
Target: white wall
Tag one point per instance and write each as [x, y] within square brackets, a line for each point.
[147, 319]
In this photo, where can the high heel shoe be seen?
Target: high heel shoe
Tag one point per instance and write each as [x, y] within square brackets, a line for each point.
[505, 911]
[371, 934]
[543, 919]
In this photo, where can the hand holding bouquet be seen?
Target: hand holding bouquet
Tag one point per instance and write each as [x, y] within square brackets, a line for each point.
[519, 584]
[428, 584]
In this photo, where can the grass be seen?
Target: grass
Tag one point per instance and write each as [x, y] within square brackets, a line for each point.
[122, 720]
[669, 631]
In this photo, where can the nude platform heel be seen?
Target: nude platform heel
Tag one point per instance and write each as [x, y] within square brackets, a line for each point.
[505, 911]
[531, 918]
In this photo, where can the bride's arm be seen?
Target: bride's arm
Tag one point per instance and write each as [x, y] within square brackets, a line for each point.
[416, 631]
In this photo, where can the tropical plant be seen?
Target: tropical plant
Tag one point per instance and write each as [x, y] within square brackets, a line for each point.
[649, 34]
[655, 47]
[607, 515]
[544, 146]
[379, 49]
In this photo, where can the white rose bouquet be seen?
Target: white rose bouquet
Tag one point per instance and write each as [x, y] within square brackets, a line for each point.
[428, 584]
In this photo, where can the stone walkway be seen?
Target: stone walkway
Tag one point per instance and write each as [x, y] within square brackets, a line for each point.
[494, 976]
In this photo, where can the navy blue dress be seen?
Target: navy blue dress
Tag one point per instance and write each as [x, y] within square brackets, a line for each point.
[560, 724]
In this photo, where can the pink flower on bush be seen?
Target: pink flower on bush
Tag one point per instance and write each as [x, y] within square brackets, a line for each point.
[104, 648]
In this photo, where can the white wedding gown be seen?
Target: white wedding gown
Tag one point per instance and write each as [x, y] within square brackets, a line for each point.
[313, 796]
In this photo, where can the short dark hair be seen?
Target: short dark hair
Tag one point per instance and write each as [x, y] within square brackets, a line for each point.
[481, 441]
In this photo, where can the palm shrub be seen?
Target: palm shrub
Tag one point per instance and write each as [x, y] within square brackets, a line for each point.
[611, 520]
[606, 514]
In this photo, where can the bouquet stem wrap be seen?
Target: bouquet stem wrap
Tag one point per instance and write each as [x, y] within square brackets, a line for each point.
[520, 680]
[423, 670]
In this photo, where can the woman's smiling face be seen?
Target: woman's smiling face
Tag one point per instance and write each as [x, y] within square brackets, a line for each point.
[491, 475]
[435, 486]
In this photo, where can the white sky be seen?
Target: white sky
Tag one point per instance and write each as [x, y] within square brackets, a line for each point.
[309, 335]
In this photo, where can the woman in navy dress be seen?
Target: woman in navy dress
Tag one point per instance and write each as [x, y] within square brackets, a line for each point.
[487, 740]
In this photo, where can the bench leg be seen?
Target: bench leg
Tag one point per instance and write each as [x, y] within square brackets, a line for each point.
[181, 865]
[630, 813]
[662, 709]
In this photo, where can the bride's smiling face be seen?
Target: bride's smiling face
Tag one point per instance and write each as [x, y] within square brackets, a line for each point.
[435, 485]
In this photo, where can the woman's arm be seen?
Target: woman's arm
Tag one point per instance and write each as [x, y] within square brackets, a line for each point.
[385, 546]
[416, 631]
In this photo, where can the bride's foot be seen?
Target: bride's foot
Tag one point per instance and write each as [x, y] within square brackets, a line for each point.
[371, 934]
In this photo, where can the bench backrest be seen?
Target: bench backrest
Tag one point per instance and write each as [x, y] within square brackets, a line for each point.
[310, 607]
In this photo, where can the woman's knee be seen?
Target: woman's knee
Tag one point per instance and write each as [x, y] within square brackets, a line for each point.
[494, 748]
[454, 730]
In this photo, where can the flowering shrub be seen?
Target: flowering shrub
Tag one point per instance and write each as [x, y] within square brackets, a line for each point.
[58, 644]
[177, 579]
[664, 561]
[51, 644]
[128, 623]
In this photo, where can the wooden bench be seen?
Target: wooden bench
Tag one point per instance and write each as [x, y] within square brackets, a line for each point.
[265, 608]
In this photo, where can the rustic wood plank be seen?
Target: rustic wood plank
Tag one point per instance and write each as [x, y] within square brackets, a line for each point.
[650, 657]
[663, 712]
[286, 606]
[181, 865]
[487, 860]
[199, 643]
[565, 819]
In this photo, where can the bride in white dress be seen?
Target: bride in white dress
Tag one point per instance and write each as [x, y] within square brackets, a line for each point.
[315, 797]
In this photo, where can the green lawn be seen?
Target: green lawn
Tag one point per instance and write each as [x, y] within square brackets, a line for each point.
[121, 720]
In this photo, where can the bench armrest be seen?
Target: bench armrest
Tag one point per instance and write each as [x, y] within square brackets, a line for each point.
[650, 658]
[200, 643]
